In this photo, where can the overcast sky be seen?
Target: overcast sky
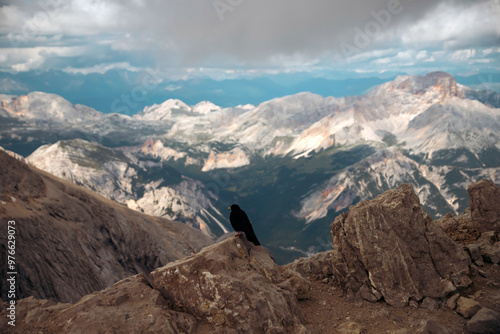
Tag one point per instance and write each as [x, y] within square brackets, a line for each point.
[245, 37]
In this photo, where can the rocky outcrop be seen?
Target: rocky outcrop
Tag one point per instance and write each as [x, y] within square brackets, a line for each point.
[151, 187]
[318, 266]
[229, 287]
[72, 242]
[230, 284]
[484, 205]
[155, 149]
[232, 159]
[483, 215]
[478, 227]
[390, 248]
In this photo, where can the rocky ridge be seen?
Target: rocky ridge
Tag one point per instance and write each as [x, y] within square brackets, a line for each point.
[150, 187]
[230, 287]
[72, 242]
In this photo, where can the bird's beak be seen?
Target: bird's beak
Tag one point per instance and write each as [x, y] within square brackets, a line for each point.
[229, 208]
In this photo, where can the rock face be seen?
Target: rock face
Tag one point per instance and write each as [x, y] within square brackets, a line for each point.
[153, 188]
[229, 287]
[233, 284]
[74, 242]
[390, 248]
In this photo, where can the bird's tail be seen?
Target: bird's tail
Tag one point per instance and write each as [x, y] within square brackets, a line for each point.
[252, 237]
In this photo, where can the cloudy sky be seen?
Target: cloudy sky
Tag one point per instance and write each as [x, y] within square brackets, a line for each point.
[250, 37]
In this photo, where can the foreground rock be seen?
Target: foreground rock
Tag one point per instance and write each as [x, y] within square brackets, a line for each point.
[485, 321]
[129, 306]
[390, 248]
[71, 242]
[232, 284]
[229, 287]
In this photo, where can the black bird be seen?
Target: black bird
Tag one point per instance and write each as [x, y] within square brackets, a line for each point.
[241, 224]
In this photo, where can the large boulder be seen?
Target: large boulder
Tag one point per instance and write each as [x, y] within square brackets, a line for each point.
[484, 205]
[390, 248]
[485, 321]
[231, 284]
[317, 266]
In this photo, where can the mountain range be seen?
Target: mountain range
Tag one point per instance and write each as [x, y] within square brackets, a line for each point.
[293, 163]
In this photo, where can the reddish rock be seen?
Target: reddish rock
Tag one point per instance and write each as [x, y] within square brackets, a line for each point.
[392, 247]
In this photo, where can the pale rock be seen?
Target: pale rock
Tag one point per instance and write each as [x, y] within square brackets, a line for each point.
[467, 307]
[232, 159]
[349, 328]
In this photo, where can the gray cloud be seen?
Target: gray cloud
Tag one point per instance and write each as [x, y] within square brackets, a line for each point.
[249, 32]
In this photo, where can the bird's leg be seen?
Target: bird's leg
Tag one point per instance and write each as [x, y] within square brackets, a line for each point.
[238, 234]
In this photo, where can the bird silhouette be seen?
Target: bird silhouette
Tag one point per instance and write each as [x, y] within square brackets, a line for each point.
[241, 224]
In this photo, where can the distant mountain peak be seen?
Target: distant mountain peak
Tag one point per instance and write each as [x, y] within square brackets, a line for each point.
[441, 83]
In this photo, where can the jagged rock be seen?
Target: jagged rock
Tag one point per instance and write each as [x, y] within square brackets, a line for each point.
[485, 321]
[483, 215]
[489, 247]
[467, 307]
[295, 283]
[318, 266]
[231, 284]
[74, 242]
[452, 301]
[485, 211]
[432, 326]
[460, 228]
[475, 254]
[392, 246]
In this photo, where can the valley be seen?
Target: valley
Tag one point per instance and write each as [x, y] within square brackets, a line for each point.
[292, 163]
